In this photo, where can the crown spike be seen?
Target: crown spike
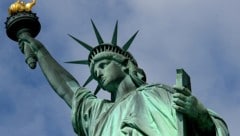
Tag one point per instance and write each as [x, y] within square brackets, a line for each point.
[85, 62]
[97, 90]
[114, 37]
[88, 47]
[129, 42]
[90, 78]
[99, 38]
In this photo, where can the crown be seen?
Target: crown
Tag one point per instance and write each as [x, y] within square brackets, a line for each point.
[104, 50]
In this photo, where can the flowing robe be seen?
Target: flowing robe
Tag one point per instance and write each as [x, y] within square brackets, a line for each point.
[145, 112]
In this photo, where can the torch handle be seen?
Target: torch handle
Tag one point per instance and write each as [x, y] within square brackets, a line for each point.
[30, 57]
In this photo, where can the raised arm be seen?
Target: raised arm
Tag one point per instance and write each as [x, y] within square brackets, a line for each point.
[62, 82]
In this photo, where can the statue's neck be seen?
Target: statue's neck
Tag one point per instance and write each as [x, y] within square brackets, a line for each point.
[125, 87]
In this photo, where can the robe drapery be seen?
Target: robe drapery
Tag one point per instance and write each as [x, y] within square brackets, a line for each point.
[147, 111]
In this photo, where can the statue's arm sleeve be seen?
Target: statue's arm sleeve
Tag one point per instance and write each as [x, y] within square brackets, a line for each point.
[220, 125]
[86, 109]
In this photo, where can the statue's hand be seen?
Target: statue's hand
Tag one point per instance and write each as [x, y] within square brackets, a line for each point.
[27, 40]
[186, 103]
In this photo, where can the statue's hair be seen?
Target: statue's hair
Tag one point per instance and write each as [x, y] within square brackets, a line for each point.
[137, 74]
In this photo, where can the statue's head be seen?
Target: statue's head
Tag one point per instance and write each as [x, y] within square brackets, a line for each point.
[118, 60]
[103, 58]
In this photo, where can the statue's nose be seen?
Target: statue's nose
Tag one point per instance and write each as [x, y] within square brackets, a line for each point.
[98, 73]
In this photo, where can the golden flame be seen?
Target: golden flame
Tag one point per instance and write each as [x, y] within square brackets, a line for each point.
[21, 6]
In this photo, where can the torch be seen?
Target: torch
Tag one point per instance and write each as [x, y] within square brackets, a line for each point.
[21, 22]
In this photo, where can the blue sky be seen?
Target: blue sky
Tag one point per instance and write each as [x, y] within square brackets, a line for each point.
[200, 36]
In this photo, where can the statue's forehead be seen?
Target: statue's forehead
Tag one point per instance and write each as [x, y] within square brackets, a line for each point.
[97, 61]
[102, 58]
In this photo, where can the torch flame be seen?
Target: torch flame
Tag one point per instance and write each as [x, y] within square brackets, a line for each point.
[21, 6]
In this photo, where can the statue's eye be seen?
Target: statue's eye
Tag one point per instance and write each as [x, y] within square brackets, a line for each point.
[103, 64]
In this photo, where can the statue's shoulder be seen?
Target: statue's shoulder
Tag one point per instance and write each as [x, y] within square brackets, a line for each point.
[156, 86]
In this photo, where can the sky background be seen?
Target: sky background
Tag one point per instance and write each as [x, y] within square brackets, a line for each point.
[201, 36]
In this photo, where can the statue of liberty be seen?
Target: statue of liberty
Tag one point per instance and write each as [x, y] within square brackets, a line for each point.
[136, 108]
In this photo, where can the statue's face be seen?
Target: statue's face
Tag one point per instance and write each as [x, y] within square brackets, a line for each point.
[108, 73]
